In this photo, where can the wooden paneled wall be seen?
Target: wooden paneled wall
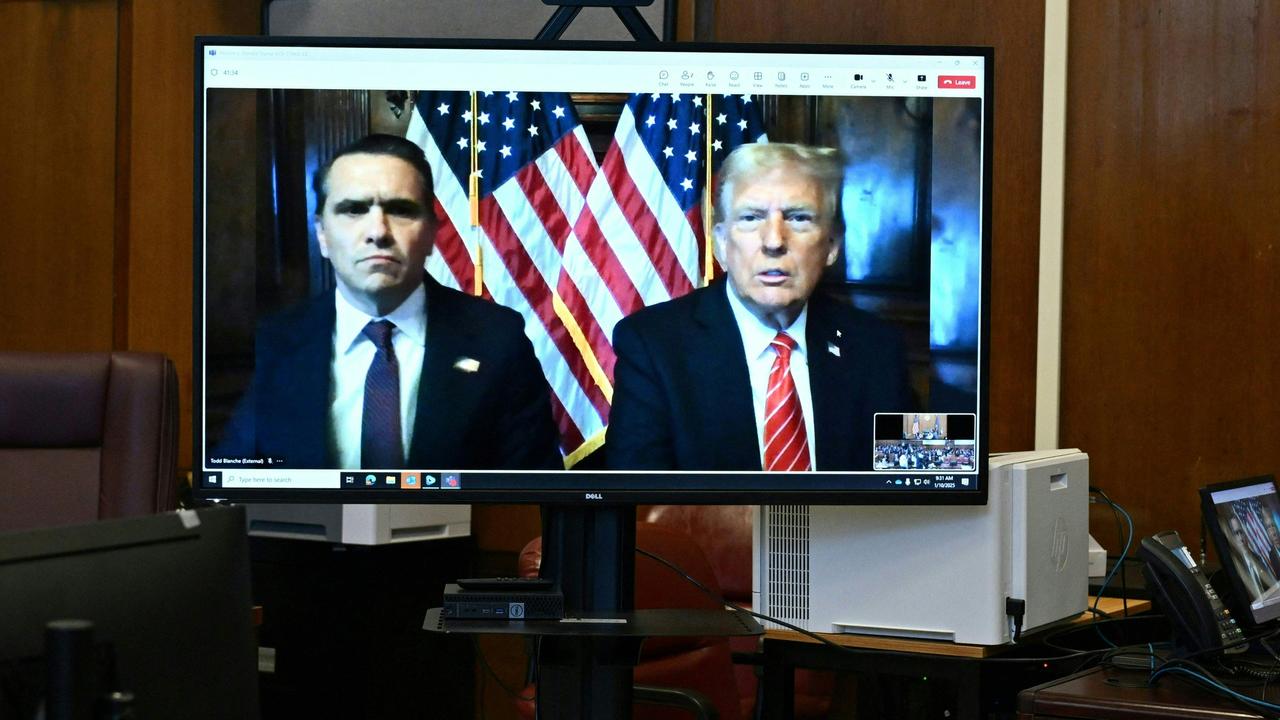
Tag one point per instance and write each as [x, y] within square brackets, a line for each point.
[1170, 373]
[1173, 174]
[96, 174]
[57, 174]
[157, 45]
[1016, 30]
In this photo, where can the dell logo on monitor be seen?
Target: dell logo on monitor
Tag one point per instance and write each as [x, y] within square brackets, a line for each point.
[595, 496]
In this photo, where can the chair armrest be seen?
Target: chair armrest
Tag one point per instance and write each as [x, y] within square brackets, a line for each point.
[681, 698]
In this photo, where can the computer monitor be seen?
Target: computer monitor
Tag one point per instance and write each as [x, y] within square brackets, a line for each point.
[575, 185]
[168, 596]
[1243, 517]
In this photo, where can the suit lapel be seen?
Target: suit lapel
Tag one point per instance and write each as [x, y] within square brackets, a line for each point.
[447, 340]
[725, 385]
[829, 360]
[304, 398]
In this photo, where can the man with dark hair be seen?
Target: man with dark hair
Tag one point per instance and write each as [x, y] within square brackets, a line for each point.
[391, 370]
[757, 371]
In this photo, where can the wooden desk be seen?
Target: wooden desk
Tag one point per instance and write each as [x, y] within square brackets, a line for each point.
[785, 650]
[1111, 694]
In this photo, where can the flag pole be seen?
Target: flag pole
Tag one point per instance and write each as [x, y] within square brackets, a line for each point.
[473, 196]
[708, 212]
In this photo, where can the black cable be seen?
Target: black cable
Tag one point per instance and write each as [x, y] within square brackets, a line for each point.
[1267, 646]
[1049, 639]
[1261, 672]
[537, 663]
[1270, 651]
[1016, 608]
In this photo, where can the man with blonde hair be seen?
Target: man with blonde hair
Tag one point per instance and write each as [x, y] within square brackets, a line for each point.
[757, 371]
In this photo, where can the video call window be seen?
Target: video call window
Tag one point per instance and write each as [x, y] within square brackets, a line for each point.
[1245, 522]
[579, 205]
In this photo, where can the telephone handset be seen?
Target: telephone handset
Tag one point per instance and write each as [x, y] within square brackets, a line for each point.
[1200, 620]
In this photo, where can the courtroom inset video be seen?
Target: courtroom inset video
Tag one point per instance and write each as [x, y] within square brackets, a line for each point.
[1249, 525]
[924, 441]
[572, 211]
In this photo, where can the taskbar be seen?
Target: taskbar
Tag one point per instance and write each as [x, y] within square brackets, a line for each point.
[279, 479]
[384, 480]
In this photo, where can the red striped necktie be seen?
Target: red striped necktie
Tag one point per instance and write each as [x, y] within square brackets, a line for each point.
[786, 445]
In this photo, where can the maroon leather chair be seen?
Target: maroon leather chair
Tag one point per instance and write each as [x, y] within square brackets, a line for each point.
[704, 665]
[724, 534]
[86, 436]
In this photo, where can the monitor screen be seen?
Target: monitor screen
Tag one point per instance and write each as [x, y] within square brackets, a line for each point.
[591, 272]
[1244, 519]
[168, 596]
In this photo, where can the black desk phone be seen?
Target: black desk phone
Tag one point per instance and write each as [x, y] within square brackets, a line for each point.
[1200, 620]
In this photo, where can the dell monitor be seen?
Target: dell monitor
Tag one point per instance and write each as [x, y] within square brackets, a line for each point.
[582, 306]
[1243, 518]
[168, 598]
[590, 276]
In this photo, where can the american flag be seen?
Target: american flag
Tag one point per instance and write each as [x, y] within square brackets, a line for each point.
[648, 197]
[573, 246]
[1252, 518]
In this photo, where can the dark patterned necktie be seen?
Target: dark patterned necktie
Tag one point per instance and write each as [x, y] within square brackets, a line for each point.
[381, 446]
[786, 445]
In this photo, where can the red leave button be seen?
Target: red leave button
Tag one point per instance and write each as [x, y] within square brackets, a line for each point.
[957, 82]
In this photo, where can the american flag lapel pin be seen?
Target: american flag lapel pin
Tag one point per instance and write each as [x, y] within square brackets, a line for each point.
[467, 365]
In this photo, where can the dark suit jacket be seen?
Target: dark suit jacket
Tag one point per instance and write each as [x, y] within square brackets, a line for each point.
[682, 394]
[498, 417]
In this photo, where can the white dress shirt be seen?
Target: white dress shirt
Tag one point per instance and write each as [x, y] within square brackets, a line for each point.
[756, 339]
[353, 352]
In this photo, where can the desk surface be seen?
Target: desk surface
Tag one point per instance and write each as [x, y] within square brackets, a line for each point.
[1111, 694]
[1109, 605]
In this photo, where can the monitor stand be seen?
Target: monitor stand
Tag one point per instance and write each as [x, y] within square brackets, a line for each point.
[590, 553]
[586, 662]
[567, 10]
[586, 670]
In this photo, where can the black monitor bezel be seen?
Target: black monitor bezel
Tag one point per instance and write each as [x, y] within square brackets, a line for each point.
[600, 495]
[1237, 600]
